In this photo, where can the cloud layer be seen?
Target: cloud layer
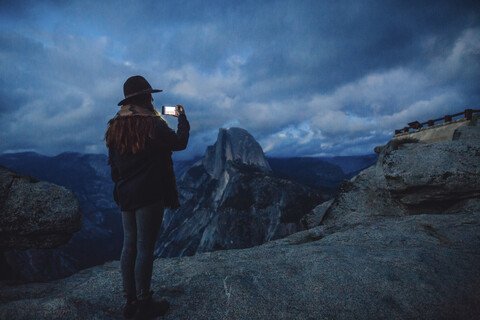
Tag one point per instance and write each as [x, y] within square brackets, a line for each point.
[304, 77]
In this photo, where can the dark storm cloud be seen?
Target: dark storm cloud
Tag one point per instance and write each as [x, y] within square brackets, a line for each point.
[304, 77]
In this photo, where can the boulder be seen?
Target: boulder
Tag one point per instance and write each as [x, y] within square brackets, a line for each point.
[434, 176]
[35, 214]
[88, 176]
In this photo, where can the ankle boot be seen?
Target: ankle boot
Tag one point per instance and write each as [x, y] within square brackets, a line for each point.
[149, 309]
[130, 307]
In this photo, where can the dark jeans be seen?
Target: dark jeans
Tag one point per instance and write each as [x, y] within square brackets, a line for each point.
[140, 229]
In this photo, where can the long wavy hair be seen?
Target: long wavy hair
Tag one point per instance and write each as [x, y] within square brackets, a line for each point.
[130, 134]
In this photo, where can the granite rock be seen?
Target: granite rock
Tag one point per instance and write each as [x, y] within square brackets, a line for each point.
[35, 214]
[412, 178]
[413, 267]
[88, 176]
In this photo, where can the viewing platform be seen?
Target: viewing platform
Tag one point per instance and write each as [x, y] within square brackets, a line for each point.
[430, 132]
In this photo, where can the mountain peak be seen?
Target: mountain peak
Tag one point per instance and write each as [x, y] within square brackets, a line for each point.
[234, 144]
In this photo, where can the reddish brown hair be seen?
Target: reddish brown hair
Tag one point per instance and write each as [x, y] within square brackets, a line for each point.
[130, 134]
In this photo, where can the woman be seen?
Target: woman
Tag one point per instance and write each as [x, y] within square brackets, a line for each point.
[140, 146]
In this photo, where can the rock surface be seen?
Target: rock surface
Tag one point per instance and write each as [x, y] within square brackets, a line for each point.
[315, 217]
[414, 267]
[412, 178]
[231, 200]
[35, 214]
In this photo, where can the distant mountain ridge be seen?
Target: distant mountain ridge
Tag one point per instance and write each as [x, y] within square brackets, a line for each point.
[352, 165]
[325, 173]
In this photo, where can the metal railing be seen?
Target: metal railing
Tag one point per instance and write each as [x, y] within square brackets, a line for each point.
[468, 115]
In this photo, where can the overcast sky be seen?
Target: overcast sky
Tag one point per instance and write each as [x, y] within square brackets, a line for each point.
[303, 77]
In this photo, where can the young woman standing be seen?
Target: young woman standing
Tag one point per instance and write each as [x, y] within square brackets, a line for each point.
[140, 146]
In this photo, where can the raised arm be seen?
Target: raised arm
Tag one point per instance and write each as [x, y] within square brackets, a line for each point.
[175, 141]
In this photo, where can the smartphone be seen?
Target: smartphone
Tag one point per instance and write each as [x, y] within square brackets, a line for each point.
[170, 111]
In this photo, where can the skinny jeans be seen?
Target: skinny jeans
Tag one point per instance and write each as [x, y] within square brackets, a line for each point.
[140, 232]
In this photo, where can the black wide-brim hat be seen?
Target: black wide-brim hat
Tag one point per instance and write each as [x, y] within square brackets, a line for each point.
[135, 86]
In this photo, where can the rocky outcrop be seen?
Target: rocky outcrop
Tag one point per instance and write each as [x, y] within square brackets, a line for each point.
[88, 176]
[412, 178]
[413, 267]
[35, 214]
[231, 200]
[315, 217]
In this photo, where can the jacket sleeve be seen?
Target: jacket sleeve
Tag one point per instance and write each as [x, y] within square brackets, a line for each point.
[174, 141]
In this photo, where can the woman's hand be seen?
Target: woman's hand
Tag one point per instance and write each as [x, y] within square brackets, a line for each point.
[180, 110]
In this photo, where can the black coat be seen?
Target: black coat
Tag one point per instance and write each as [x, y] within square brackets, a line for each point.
[147, 176]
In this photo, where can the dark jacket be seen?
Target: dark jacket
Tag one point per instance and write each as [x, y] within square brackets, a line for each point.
[147, 176]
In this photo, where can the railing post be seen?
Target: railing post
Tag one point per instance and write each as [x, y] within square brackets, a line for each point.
[468, 114]
[431, 123]
[448, 118]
